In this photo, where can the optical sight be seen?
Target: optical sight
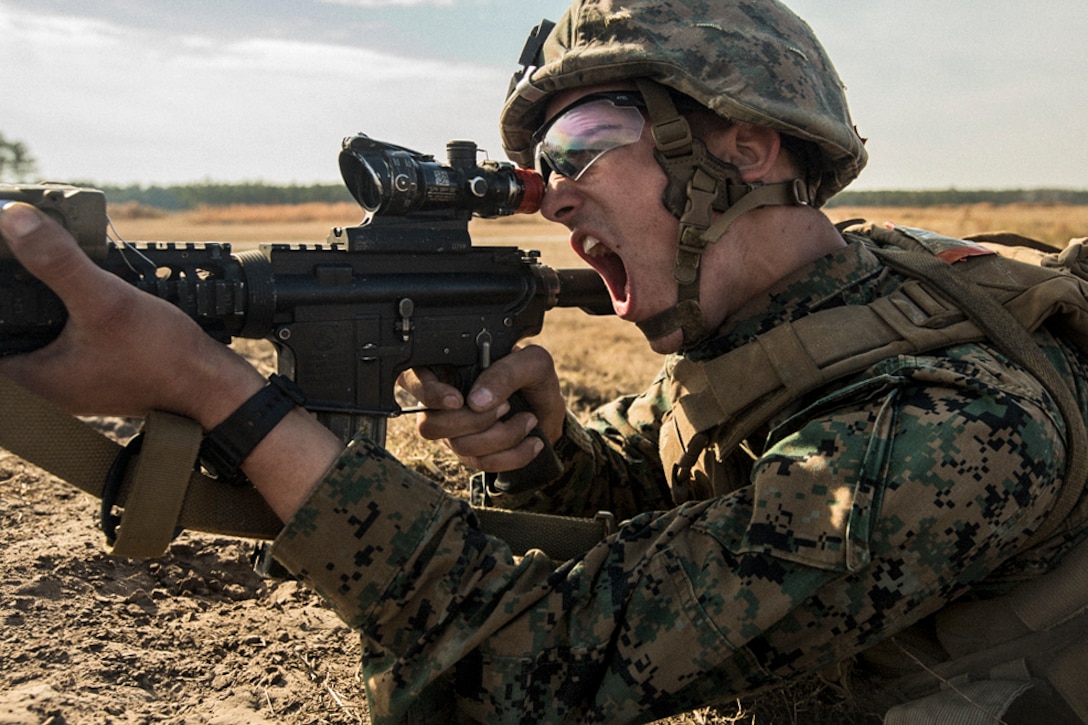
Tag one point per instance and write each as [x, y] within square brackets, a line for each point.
[390, 180]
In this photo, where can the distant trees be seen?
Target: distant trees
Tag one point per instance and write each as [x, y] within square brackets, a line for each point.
[188, 196]
[16, 163]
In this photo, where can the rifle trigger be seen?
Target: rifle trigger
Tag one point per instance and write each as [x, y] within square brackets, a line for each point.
[405, 309]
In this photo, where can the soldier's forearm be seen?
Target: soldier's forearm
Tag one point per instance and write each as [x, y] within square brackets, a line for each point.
[291, 460]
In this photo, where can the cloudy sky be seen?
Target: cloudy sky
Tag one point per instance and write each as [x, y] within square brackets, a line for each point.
[967, 93]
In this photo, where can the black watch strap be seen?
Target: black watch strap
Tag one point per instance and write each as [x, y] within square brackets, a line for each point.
[229, 443]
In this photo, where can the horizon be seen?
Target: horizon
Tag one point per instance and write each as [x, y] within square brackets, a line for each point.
[302, 185]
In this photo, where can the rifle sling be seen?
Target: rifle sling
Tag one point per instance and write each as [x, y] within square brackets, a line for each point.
[32, 426]
[560, 537]
[168, 447]
[162, 493]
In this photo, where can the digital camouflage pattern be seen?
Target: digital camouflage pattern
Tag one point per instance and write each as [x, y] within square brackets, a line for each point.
[754, 62]
[861, 511]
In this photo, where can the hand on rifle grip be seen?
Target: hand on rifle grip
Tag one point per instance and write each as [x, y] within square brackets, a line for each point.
[543, 469]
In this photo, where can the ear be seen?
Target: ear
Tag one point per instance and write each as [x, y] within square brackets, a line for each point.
[754, 150]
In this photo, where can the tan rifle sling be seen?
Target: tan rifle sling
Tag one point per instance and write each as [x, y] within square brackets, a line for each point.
[161, 492]
[986, 297]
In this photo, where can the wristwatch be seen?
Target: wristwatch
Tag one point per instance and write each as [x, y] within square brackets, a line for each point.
[229, 443]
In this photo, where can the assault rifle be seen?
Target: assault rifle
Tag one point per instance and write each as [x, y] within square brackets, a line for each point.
[405, 288]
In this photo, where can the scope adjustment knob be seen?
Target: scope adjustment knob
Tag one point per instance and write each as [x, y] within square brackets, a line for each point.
[478, 187]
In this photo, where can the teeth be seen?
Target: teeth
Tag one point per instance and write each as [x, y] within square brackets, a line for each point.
[592, 247]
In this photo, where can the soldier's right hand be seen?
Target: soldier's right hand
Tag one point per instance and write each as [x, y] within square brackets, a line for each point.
[474, 427]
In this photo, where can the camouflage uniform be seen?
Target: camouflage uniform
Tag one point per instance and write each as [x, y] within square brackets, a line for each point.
[863, 509]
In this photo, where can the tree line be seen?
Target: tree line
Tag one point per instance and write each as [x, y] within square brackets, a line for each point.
[189, 196]
[16, 163]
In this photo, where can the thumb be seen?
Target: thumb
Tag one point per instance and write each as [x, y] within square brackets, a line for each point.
[50, 253]
[17, 220]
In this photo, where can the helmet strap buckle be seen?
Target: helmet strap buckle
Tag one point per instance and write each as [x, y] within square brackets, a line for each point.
[699, 184]
[671, 132]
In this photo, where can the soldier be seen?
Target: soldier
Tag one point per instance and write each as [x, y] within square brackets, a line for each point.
[688, 147]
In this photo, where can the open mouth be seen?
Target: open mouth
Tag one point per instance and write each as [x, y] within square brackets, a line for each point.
[607, 264]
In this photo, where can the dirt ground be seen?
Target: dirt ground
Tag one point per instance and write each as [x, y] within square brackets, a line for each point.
[196, 636]
[193, 637]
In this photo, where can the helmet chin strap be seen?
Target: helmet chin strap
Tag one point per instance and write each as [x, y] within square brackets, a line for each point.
[699, 185]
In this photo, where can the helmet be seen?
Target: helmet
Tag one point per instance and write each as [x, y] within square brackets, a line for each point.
[751, 62]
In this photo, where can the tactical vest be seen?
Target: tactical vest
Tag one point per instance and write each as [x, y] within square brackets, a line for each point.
[957, 291]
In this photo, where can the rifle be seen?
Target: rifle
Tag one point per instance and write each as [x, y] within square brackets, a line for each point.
[405, 288]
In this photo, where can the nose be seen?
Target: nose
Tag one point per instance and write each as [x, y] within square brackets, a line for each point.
[561, 199]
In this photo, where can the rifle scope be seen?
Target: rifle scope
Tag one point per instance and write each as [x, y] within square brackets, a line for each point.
[392, 180]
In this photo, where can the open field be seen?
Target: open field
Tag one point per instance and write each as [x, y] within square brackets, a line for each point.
[196, 637]
[242, 225]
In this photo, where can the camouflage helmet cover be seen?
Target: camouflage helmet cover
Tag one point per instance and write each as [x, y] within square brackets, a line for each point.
[751, 61]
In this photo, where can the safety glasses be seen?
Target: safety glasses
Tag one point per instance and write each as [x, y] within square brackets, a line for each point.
[586, 130]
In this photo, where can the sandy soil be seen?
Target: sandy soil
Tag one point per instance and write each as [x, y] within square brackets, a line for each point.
[193, 637]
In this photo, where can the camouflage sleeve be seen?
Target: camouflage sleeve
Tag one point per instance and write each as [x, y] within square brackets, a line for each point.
[611, 463]
[866, 512]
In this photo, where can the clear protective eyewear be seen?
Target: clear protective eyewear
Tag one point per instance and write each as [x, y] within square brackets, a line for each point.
[586, 130]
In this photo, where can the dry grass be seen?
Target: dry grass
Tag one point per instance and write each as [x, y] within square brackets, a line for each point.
[600, 358]
[243, 227]
[135, 210]
[1054, 224]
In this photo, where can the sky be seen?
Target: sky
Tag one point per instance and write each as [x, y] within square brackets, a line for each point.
[950, 93]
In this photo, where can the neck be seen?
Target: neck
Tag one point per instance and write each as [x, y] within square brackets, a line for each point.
[759, 248]
[762, 247]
